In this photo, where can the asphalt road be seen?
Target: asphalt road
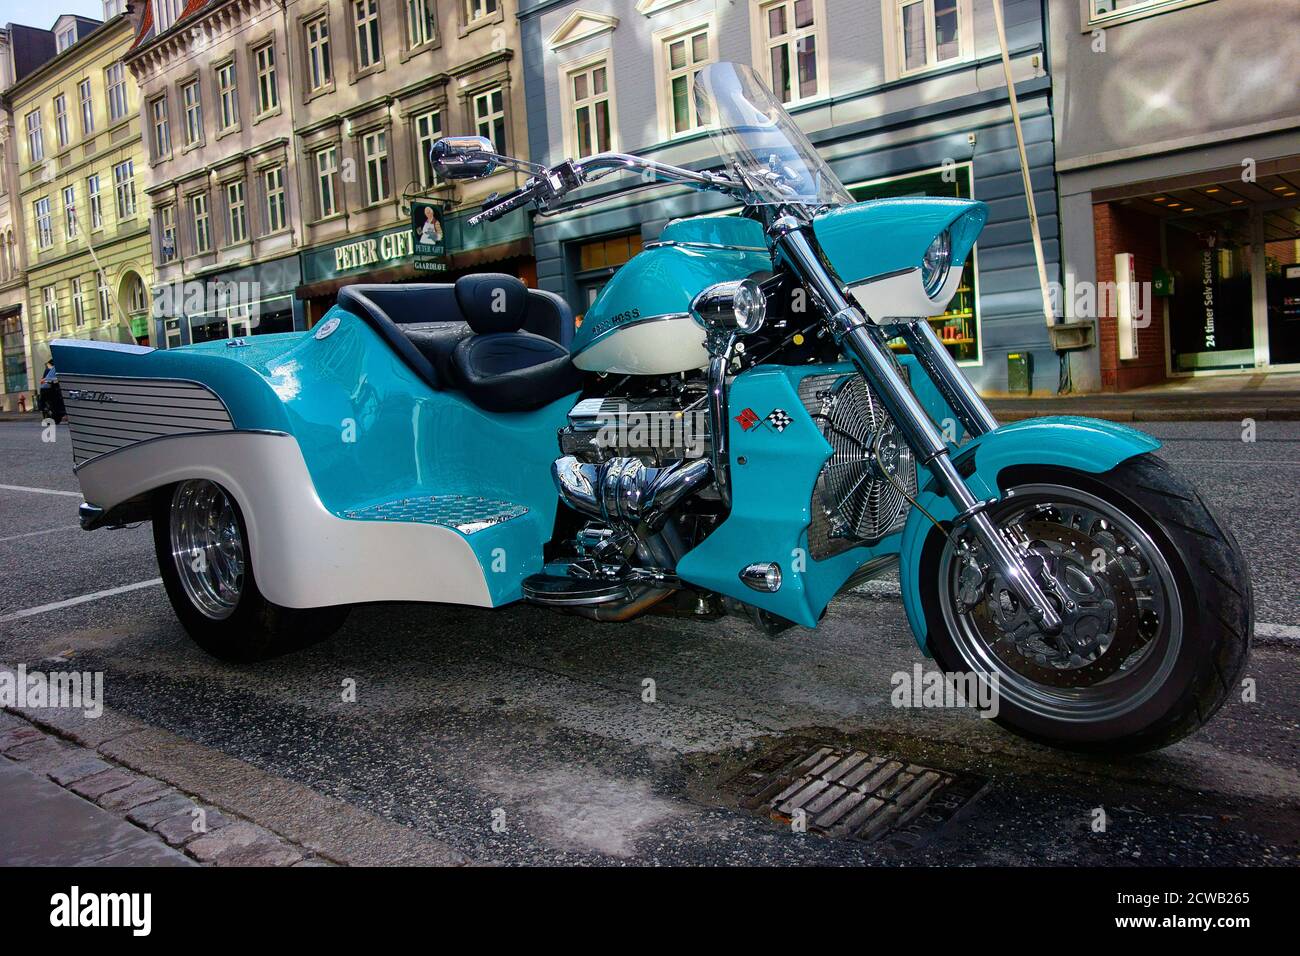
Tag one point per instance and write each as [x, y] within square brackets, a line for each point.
[541, 718]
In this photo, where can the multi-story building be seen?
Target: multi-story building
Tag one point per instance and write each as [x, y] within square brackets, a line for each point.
[902, 97]
[22, 49]
[86, 217]
[1178, 151]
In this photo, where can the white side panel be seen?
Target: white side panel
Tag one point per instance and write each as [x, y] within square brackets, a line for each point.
[303, 555]
[903, 296]
[652, 347]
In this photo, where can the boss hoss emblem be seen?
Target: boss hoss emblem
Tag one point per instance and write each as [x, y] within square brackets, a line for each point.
[88, 395]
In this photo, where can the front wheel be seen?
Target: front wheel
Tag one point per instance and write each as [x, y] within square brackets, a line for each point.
[207, 569]
[1152, 589]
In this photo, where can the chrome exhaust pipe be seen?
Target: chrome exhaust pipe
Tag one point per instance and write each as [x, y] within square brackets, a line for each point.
[625, 489]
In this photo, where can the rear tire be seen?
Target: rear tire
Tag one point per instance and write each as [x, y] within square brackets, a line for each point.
[1182, 668]
[203, 553]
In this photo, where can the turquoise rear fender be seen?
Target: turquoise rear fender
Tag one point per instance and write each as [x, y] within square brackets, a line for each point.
[1085, 444]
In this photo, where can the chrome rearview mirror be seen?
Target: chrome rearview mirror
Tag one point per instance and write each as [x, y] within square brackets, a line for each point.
[464, 157]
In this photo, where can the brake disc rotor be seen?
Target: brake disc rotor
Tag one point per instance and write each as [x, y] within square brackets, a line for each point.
[1098, 608]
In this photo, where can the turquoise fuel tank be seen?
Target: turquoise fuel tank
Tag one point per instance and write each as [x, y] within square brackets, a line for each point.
[641, 323]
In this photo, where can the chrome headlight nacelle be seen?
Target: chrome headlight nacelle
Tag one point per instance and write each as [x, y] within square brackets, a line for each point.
[731, 308]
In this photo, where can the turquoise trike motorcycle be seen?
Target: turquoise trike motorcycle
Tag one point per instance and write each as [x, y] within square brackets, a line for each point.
[727, 431]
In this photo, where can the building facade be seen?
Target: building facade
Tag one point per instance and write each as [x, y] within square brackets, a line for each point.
[902, 97]
[1178, 151]
[86, 218]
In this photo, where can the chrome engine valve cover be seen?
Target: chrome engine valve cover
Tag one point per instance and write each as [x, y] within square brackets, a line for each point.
[854, 502]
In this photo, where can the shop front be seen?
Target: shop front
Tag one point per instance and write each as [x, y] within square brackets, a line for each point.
[251, 300]
[14, 381]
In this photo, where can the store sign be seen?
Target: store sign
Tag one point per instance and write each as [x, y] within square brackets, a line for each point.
[376, 251]
[428, 236]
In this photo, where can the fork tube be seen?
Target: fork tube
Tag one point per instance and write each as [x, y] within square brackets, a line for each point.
[948, 378]
[864, 344]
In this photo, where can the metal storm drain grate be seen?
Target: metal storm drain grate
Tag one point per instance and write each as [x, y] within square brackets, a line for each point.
[850, 794]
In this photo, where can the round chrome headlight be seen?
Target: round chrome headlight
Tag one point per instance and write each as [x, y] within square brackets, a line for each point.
[737, 306]
[749, 306]
[935, 264]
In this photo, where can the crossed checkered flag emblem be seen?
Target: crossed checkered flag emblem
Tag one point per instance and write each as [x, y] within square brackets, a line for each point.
[778, 419]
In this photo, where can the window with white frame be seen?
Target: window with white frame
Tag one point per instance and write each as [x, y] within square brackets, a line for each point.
[137, 296]
[61, 120]
[236, 212]
[490, 117]
[167, 233]
[101, 289]
[35, 139]
[1101, 12]
[790, 37]
[478, 9]
[93, 202]
[327, 167]
[87, 107]
[124, 188]
[112, 8]
[421, 25]
[268, 93]
[166, 13]
[199, 218]
[65, 38]
[684, 55]
[50, 306]
[320, 70]
[162, 136]
[193, 106]
[228, 95]
[591, 109]
[273, 193]
[926, 34]
[115, 91]
[44, 225]
[70, 211]
[428, 128]
[365, 20]
[374, 149]
[78, 303]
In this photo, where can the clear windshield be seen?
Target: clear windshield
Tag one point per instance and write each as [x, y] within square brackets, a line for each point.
[753, 130]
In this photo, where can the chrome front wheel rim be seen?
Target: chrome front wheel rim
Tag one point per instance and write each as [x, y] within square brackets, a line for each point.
[207, 547]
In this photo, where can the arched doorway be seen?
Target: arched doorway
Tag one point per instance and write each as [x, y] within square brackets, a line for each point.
[133, 307]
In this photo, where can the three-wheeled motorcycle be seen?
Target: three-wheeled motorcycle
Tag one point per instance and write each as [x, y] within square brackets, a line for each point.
[727, 431]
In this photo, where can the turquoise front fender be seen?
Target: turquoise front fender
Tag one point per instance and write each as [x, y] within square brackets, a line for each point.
[1084, 444]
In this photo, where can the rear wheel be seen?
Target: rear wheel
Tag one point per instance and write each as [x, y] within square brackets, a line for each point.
[1153, 592]
[203, 554]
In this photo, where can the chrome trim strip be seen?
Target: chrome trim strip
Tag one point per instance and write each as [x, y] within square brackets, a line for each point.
[694, 244]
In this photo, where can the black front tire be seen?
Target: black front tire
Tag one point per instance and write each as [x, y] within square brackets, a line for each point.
[255, 629]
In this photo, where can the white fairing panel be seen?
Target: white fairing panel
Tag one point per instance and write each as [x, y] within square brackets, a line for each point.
[659, 346]
[303, 554]
[902, 296]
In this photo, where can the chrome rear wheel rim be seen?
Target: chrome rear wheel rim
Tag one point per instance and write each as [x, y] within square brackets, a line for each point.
[207, 547]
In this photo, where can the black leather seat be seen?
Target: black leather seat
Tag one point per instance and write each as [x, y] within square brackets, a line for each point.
[518, 368]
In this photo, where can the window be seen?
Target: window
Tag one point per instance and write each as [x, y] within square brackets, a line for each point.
[137, 295]
[273, 190]
[199, 215]
[50, 305]
[101, 288]
[92, 201]
[421, 25]
[788, 52]
[70, 211]
[365, 15]
[490, 117]
[65, 38]
[162, 137]
[927, 34]
[228, 94]
[684, 56]
[87, 108]
[193, 112]
[327, 161]
[35, 144]
[591, 108]
[44, 227]
[1119, 11]
[167, 233]
[115, 91]
[165, 14]
[268, 95]
[236, 212]
[61, 120]
[112, 8]
[478, 9]
[375, 149]
[78, 303]
[428, 128]
[320, 71]
[124, 187]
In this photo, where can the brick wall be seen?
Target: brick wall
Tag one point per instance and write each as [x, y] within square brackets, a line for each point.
[1117, 229]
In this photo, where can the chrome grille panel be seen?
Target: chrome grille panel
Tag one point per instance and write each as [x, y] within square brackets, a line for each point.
[106, 413]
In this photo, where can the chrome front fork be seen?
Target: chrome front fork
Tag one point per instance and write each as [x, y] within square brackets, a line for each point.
[864, 343]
